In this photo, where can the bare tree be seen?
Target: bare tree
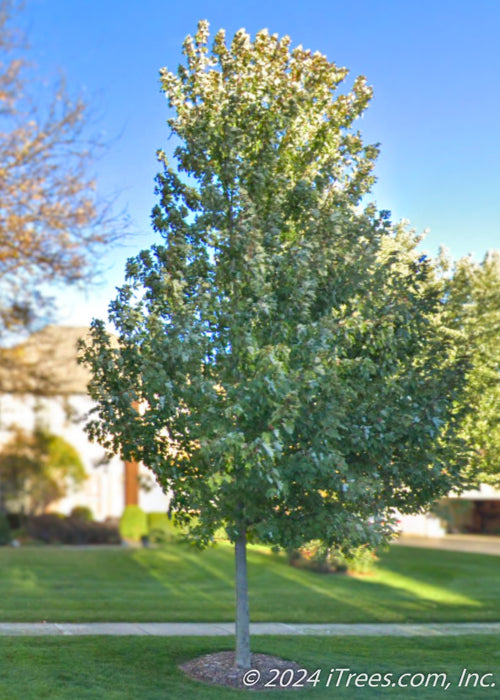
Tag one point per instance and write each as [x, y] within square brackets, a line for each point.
[51, 222]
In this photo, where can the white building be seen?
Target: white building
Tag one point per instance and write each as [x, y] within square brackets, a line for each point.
[51, 391]
[471, 512]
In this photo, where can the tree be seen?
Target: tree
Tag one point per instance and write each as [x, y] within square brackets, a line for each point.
[37, 469]
[51, 224]
[286, 349]
[474, 308]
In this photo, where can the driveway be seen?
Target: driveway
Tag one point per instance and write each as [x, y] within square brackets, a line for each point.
[478, 544]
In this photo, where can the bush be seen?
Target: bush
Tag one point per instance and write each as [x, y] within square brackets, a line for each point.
[82, 513]
[15, 520]
[362, 560]
[98, 533]
[4, 530]
[161, 529]
[158, 521]
[49, 527]
[133, 523]
[317, 556]
[55, 529]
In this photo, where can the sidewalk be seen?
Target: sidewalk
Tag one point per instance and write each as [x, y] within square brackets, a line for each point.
[213, 629]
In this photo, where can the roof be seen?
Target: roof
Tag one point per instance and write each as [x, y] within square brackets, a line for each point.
[45, 364]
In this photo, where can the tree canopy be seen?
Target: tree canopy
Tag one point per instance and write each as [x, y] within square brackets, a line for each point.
[37, 469]
[474, 308]
[281, 361]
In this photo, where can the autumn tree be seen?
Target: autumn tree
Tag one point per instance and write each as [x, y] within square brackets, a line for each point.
[51, 224]
[281, 361]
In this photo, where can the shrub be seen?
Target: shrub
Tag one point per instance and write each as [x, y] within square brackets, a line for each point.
[54, 529]
[133, 523]
[49, 527]
[97, 533]
[317, 556]
[82, 513]
[4, 530]
[158, 521]
[15, 520]
[162, 529]
[362, 560]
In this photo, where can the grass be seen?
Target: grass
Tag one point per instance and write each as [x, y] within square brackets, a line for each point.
[178, 583]
[181, 584]
[129, 668]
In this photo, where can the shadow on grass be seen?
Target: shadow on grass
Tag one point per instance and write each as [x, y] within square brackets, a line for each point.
[180, 584]
[283, 593]
[190, 573]
[388, 595]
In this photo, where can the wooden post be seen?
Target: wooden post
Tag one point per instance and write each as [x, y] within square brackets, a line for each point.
[131, 484]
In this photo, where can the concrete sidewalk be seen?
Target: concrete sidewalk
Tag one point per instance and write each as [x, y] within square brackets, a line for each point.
[213, 629]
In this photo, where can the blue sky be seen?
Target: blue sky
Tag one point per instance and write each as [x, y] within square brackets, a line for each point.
[434, 66]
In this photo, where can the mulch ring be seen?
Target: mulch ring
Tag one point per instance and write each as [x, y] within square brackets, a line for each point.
[267, 672]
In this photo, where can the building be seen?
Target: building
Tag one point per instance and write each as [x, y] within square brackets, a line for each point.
[471, 512]
[41, 384]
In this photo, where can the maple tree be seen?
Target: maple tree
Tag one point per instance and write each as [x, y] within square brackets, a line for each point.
[281, 362]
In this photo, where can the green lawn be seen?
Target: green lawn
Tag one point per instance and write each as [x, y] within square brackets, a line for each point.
[178, 583]
[145, 668]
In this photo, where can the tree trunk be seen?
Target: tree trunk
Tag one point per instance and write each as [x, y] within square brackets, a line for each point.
[243, 659]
